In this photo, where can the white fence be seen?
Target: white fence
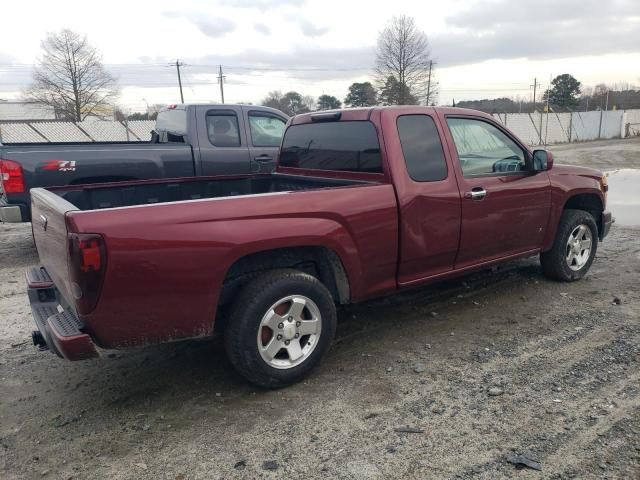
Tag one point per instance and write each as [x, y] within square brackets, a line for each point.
[632, 123]
[91, 131]
[542, 128]
[537, 128]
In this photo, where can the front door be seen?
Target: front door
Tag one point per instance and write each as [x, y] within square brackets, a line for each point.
[265, 130]
[505, 205]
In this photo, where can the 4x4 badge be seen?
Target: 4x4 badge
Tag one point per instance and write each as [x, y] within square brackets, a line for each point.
[60, 165]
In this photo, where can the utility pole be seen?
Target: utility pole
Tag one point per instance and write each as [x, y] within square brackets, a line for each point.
[179, 64]
[535, 86]
[546, 130]
[429, 82]
[221, 79]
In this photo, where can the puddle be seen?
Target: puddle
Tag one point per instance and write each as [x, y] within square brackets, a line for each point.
[624, 196]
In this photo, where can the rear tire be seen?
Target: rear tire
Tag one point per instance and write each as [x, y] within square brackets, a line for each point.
[280, 327]
[574, 247]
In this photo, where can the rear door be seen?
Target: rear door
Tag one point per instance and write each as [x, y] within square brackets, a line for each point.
[264, 132]
[505, 205]
[222, 141]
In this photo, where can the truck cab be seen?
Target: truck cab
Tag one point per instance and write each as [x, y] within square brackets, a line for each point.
[226, 139]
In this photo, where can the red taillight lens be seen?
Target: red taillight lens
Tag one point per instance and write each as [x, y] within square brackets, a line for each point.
[11, 176]
[87, 265]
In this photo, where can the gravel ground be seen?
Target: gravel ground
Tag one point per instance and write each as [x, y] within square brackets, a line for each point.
[602, 154]
[450, 381]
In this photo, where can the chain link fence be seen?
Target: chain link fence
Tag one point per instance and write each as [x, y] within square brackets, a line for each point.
[539, 128]
[88, 131]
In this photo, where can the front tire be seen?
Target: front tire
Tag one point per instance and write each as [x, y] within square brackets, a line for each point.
[280, 327]
[574, 247]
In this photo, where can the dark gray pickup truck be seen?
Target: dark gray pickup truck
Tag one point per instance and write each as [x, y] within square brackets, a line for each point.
[189, 140]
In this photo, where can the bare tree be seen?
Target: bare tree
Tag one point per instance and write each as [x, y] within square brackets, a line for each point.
[71, 78]
[403, 53]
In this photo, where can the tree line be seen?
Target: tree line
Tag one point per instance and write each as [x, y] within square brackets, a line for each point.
[565, 94]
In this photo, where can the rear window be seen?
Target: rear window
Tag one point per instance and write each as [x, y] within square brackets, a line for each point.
[350, 146]
[173, 121]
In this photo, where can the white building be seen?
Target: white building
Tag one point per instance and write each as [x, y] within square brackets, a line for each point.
[20, 111]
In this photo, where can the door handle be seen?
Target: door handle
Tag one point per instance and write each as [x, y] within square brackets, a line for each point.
[264, 158]
[476, 193]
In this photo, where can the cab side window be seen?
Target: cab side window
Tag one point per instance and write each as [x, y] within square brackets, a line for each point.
[222, 129]
[483, 149]
[421, 148]
[266, 130]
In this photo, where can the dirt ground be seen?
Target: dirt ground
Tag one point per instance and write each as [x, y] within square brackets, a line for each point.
[481, 368]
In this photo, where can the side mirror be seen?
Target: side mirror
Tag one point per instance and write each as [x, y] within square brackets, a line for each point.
[542, 160]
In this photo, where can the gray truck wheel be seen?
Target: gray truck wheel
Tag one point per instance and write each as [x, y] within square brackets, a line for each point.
[280, 327]
[574, 247]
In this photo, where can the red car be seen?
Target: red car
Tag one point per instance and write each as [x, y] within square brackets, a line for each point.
[364, 202]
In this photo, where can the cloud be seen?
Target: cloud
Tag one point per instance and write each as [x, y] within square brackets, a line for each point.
[7, 58]
[215, 27]
[538, 29]
[262, 28]
[311, 61]
[486, 15]
[14, 77]
[261, 4]
[310, 30]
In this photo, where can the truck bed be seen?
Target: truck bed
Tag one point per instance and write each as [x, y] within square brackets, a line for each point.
[180, 237]
[123, 194]
[48, 165]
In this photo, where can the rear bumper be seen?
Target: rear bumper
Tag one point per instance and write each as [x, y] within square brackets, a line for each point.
[61, 330]
[605, 224]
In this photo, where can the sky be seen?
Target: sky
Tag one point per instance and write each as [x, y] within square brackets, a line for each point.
[482, 48]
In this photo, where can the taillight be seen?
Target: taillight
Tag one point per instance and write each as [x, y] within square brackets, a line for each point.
[87, 265]
[11, 176]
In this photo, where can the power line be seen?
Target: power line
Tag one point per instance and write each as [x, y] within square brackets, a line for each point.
[210, 65]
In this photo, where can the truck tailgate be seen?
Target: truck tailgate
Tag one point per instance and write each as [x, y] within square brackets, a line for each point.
[50, 234]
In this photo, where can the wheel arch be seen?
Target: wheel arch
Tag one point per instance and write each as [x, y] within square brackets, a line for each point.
[587, 200]
[319, 261]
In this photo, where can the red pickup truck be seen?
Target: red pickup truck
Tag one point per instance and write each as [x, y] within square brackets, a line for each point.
[364, 202]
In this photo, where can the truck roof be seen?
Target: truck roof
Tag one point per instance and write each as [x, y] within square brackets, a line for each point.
[364, 113]
[184, 106]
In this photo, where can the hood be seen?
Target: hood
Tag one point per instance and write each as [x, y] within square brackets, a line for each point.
[559, 169]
